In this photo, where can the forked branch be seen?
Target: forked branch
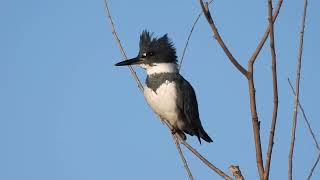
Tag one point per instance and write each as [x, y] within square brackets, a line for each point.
[207, 14]
[265, 36]
[249, 75]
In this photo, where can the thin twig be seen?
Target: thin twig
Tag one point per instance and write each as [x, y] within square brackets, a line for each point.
[184, 161]
[314, 166]
[275, 92]
[204, 160]
[114, 32]
[236, 172]
[189, 36]
[133, 73]
[309, 128]
[305, 118]
[265, 36]
[295, 112]
[197, 154]
[207, 14]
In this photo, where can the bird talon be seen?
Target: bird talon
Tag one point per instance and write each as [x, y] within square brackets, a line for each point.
[173, 131]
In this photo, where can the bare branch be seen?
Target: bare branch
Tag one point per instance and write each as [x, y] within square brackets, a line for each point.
[184, 161]
[204, 160]
[189, 36]
[275, 92]
[236, 172]
[133, 73]
[255, 120]
[207, 14]
[114, 32]
[265, 36]
[295, 112]
[221, 173]
[249, 74]
[305, 117]
[314, 166]
[309, 128]
[197, 154]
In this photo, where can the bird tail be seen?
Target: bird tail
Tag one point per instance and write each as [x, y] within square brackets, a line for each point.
[204, 136]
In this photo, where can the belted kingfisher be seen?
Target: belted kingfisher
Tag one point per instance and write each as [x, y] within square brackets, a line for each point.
[166, 91]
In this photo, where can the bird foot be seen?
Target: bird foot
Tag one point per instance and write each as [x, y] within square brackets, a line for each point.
[173, 131]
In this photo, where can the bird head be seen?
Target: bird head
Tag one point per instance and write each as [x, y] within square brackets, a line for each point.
[153, 52]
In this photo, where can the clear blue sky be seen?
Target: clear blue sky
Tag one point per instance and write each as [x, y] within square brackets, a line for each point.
[67, 113]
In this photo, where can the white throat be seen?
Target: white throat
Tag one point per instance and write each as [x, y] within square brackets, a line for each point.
[161, 68]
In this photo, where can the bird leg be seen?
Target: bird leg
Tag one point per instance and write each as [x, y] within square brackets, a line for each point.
[173, 131]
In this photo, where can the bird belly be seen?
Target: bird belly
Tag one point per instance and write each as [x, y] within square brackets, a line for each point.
[163, 102]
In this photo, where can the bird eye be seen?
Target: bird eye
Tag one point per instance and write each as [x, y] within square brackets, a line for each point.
[144, 55]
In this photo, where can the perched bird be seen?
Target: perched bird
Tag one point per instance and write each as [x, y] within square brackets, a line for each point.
[166, 91]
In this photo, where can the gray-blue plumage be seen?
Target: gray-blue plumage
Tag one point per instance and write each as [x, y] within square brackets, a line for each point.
[186, 103]
[166, 91]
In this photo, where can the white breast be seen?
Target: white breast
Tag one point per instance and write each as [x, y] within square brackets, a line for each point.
[163, 101]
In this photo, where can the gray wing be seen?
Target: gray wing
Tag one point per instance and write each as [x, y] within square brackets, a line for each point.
[188, 106]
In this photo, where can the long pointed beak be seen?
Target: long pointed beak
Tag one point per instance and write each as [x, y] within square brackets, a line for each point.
[132, 61]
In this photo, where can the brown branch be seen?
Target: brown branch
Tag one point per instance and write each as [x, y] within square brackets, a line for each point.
[133, 73]
[204, 160]
[249, 74]
[305, 117]
[197, 154]
[115, 34]
[275, 92]
[189, 36]
[255, 120]
[207, 14]
[295, 112]
[184, 161]
[314, 166]
[309, 128]
[265, 36]
[236, 172]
